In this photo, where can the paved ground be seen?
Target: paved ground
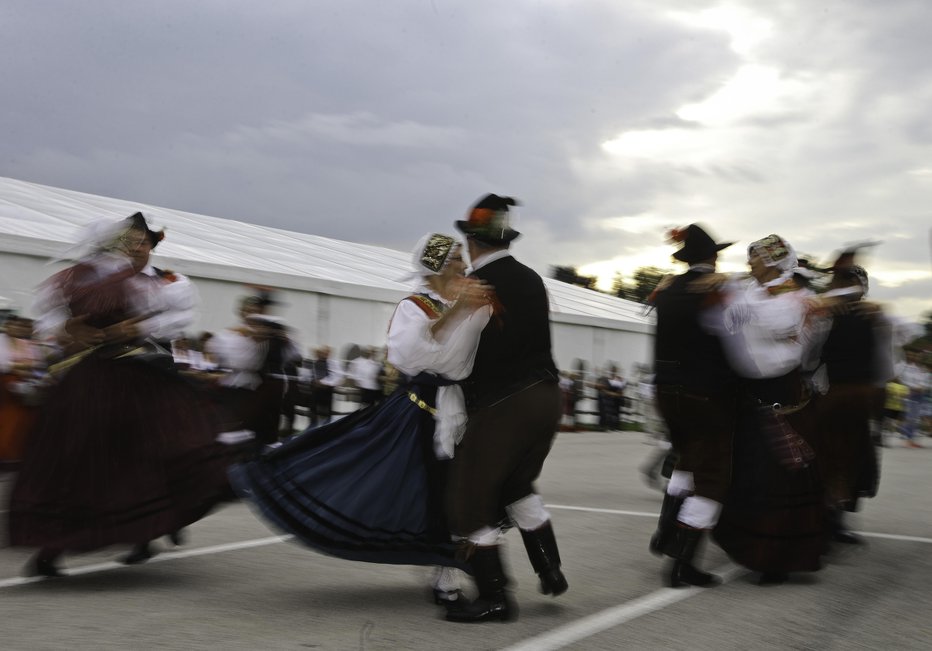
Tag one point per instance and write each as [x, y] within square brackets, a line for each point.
[235, 585]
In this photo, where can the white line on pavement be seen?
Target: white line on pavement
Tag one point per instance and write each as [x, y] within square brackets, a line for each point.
[640, 514]
[611, 617]
[162, 557]
[893, 536]
[259, 542]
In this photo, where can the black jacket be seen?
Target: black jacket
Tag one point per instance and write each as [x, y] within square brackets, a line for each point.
[515, 347]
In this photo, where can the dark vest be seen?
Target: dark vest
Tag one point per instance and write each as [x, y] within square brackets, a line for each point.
[684, 353]
[514, 348]
[848, 352]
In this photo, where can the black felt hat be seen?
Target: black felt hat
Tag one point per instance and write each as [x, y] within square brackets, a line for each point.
[697, 244]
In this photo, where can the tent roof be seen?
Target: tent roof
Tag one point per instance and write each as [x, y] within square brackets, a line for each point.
[41, 220]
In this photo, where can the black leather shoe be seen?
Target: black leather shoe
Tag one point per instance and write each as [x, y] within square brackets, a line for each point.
[657, 543]
[847, 537]
[45, 567]
[484, 610]
[685, 574]
[772, 578]
[139, 554]
[553, 582]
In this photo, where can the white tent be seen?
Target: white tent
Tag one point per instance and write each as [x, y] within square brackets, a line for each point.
[333, 292]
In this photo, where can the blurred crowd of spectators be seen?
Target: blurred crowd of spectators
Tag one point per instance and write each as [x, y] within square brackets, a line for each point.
[320, 387]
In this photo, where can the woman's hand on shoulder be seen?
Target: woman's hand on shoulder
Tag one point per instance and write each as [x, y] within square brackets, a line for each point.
[473, 293]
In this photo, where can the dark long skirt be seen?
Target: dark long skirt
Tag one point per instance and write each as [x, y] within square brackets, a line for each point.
[848, 457]
[364, 488]
[774, 518]
[123, 453]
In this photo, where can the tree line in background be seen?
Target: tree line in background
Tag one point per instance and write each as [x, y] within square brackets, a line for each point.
[638, 288]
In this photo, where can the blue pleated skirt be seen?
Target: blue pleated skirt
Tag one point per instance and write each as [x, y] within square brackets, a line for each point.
[365, 488]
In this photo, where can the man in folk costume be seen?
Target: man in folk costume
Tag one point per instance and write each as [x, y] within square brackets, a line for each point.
[513, 402]
[856, 362]
[696, 398]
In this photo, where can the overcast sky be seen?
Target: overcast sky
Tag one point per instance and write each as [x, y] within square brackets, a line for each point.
[377, 121]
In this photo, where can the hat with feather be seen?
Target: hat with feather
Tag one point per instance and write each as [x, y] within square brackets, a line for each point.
[488, 220]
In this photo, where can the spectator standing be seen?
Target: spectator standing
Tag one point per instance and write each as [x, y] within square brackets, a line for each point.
[22, 368]
[325, 375]
[610, 391]
[364, 371]
[916, 378]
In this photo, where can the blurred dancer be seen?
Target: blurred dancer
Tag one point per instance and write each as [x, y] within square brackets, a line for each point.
[121, 454]
[254, 354]
[368, 487]
[774, 518]
[696, 391]
[847, 455]
[513, 400]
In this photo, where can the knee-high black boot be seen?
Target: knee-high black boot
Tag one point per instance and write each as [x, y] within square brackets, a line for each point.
[684, 553]
[665, 535]
[542, 551]
[493, 601]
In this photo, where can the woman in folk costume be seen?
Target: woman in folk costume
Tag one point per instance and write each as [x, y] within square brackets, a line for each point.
[121, 454]
[22, 369]
[773, 520]
[369, 487]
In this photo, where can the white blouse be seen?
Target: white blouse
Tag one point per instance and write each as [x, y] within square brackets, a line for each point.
[170, 304]
[240, 355]
[412, 349]
[765, 334]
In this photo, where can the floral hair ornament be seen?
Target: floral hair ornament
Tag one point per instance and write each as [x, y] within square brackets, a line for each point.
[675, 235]
[488, 220]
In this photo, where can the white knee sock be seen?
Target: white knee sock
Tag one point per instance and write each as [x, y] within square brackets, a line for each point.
[681, 483]
[700, 512]
[446, 579]
[485, 537]
[528, 512]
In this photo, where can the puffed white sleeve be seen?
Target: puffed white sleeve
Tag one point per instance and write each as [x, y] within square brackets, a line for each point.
[51, 311]
[764, 333]
[175, 304]
[412, 348]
